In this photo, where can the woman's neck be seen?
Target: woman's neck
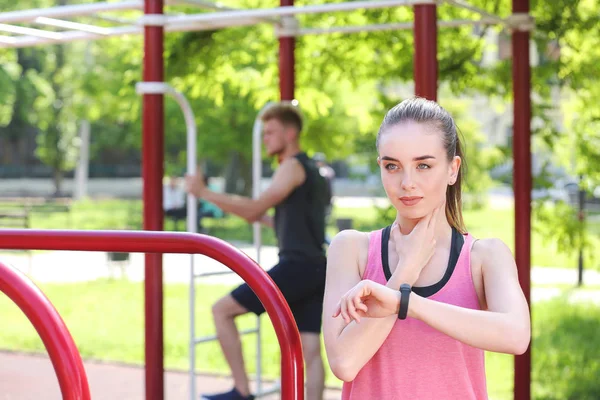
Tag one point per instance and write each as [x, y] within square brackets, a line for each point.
[443, 229]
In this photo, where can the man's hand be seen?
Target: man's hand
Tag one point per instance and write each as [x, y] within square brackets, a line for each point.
[194, 184]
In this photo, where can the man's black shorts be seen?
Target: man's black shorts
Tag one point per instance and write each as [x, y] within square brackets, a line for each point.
[302, 283]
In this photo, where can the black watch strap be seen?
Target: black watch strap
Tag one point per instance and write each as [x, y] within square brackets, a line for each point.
[405, 290]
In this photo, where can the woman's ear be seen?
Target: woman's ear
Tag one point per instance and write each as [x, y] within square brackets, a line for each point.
[379, 161]
[454, 169]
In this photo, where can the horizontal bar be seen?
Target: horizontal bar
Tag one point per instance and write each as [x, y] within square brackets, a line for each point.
[71, 36]
[205, 339]
[70, 25]
[69, 10]
[214, 273]
[179, 25]
[292, 364]
[21, 30]
[7, 39]
[477, 10]
[209, 5]
[213, 6]
[123, 21]
[223, 16]
[389, 27]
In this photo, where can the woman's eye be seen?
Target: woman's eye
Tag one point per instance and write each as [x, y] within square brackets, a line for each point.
[423, 166]
[391, 167]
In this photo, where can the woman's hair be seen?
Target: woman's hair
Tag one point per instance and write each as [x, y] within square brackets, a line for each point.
[429, 112]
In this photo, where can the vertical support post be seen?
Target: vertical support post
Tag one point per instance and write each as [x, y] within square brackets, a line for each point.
[521, 74]
[581, 218]
[256, 229]
[82, 169]
[152, 170]
[286, 62]
[425, 60]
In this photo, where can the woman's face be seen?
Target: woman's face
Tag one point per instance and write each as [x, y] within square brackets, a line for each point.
[415, 170]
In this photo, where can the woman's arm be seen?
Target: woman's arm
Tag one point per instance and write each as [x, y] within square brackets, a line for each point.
[350, 345]
[505, 327]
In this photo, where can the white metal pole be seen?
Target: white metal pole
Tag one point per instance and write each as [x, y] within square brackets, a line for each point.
[467, 6]
[256, 190]
[212, 6]
[192, 226]
[69, 10]
[293, 10]
[81, 172]
[190, 123]
[256, 227]
[389, 27]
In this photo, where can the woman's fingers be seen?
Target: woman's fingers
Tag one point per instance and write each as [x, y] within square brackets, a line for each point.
[352, 310]
[361, 307]
[351, 306]
[337, 311]
[344, 310]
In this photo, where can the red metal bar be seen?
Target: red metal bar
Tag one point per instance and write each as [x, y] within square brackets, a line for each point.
[52, 330]
[286, 62]
[292, 366]
[521, 72]
[152, 170]
[425, 60]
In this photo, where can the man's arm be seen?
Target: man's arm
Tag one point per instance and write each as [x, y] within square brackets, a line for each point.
[288, 176]
[267, 220]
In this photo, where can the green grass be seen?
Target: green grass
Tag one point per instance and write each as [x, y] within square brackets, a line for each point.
[126, 214]
[106, 321]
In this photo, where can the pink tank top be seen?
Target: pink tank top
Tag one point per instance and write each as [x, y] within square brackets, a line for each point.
[415, 361]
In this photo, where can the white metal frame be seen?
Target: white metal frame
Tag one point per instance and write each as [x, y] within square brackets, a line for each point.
[192, 210]
[257, 129]
[164, 88]
[223, 17]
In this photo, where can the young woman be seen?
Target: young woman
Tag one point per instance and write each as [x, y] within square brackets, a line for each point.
[410, 309]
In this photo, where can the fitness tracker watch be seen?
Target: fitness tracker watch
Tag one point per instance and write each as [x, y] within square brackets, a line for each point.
[405, 290]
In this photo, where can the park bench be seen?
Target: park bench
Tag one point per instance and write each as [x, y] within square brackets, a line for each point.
[15, 215]
[34, 205]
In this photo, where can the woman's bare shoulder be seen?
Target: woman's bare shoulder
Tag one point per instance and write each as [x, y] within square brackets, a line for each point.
[350, 244]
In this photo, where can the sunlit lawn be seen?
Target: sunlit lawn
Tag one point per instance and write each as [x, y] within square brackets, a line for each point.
[106, 320]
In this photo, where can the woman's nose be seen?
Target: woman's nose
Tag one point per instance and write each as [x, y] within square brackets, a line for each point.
[407, 182]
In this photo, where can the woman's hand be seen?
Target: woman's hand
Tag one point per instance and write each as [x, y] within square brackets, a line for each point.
[368, 299]
[416, 249]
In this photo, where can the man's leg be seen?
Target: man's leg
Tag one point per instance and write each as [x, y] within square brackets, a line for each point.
[224, 312]
[315, 372]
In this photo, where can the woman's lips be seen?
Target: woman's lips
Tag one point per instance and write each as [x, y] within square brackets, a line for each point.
[410, 201]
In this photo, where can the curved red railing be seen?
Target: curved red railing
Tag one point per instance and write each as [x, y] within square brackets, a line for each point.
[52, 330]
[292, 367]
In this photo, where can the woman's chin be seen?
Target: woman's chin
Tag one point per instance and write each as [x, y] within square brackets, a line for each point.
[410, 213]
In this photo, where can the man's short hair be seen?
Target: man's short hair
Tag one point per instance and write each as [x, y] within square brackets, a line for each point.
[287, 114]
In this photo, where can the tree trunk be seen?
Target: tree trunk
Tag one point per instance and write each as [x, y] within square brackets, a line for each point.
[58, 180]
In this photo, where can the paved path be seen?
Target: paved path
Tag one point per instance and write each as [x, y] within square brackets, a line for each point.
[31, 377]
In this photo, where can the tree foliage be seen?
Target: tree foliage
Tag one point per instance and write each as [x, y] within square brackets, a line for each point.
[344, 83]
